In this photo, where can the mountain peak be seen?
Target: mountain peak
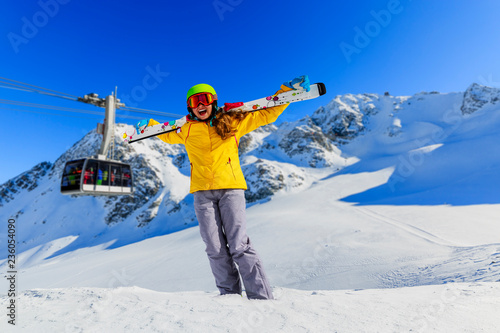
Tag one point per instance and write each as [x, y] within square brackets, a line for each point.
[288, 157]
[478, 96]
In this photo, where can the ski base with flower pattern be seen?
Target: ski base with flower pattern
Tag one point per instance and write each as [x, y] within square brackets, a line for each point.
[292, 96]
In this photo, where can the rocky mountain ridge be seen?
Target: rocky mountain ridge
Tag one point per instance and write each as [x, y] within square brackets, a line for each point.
[274, 158]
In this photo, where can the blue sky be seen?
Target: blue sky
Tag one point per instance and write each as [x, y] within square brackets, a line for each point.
[153, 51]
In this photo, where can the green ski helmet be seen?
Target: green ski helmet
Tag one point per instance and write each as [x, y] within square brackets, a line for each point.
[200, 88]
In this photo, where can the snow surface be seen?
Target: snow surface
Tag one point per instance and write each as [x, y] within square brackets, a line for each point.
[393, 229]
[445, 308]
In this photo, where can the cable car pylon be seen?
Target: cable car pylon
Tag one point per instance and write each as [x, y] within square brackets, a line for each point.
[98, 175]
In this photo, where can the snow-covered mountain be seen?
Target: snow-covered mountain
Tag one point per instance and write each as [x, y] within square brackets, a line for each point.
[352, 133]
[369, 191]
[274, 159]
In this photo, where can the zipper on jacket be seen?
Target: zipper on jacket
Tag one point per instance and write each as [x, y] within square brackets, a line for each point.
[191, 176]
[232, 170]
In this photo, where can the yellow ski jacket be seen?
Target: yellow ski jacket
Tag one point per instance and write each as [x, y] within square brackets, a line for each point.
[215, 163]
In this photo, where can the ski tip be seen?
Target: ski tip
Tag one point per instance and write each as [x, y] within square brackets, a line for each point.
[321, 88]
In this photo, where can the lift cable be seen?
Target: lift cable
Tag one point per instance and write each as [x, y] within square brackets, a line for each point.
[46, 113]
[68, 115]
[55, 108]
[43, 106]
[38, 87]
[18, 85]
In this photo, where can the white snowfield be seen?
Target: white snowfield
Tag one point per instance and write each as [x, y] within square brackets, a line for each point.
[464, 307]
[404, 237]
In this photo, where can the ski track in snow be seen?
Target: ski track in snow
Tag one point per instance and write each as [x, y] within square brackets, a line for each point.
[406, 227]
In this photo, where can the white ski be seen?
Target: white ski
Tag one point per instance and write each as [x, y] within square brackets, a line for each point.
[291, 96]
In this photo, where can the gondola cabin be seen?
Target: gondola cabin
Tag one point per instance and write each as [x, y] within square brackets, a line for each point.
[91, 176]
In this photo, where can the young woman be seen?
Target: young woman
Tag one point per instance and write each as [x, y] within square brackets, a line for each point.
[211, 138]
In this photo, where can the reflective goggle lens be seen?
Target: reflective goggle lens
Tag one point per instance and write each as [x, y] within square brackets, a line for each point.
[203, 98]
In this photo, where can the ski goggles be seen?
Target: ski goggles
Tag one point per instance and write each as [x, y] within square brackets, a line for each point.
[203, 98]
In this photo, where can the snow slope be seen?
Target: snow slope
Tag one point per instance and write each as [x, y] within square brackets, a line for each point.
[377, 213]
[446, 308]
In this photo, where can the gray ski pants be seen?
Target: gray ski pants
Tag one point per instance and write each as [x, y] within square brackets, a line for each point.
[221, 215]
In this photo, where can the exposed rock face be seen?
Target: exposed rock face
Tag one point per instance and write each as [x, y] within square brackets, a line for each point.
[264, 178]
[477, 96]
[28, 181]
[344, 117]
[255, 139]
[307, 143]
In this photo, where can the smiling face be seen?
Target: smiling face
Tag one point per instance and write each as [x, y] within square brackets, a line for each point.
[203, 112]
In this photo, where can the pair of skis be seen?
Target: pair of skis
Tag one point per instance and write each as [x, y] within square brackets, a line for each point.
[286, 97]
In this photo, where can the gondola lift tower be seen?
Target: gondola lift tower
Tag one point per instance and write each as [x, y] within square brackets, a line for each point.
[98, 175]
[110, 103]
